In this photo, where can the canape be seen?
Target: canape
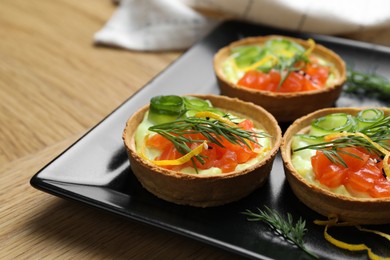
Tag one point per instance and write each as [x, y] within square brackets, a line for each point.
[201, 150]
[336, 161]
[289, 77]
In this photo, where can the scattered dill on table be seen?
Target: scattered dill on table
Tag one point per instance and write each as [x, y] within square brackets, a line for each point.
[284, 227]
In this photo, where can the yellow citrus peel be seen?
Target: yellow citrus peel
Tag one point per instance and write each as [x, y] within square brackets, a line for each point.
[185, 158]
[333, 221]
[208, 114]
[312, 45]
[375, 232]
[261, 62]
[182, 160]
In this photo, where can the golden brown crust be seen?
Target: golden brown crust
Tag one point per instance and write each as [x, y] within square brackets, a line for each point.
[358, 210]
[200, 190]
[284, 106]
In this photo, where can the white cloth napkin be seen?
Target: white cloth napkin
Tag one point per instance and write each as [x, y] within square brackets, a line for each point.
[158, 25]
[153, 25]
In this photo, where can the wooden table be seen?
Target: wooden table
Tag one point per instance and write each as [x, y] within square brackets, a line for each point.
[54, 86]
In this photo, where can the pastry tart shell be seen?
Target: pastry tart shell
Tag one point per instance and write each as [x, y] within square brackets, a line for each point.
[286, 107]
[351, 209]
[205, 190]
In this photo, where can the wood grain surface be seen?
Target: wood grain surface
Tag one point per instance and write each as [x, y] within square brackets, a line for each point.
[55, 84]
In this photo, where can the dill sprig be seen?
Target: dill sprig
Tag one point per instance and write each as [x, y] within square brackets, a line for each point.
[286, 66]
[178, 132]
[331, 149]
[378, 132]
[285, 227]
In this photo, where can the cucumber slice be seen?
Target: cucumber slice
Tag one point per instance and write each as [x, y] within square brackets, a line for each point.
[247, 55]
[196, 103]
[284, 47]
[333, 123]
[367, 117]
[165, 109]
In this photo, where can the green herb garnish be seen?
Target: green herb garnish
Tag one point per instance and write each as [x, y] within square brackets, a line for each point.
[213, 130]
[287, 65]
[378, 132]
[367, 84]
[293, 233]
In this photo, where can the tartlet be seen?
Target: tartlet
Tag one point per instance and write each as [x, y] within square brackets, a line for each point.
[352, 209]
[198, 190]
[285, 106]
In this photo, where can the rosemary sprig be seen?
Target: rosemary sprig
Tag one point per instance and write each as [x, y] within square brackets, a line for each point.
[293, 233]
[213, 130]
[367, 84]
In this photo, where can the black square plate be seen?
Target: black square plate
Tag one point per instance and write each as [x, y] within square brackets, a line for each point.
[95, 170]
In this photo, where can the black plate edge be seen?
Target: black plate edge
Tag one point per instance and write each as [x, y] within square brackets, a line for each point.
[46, 186]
